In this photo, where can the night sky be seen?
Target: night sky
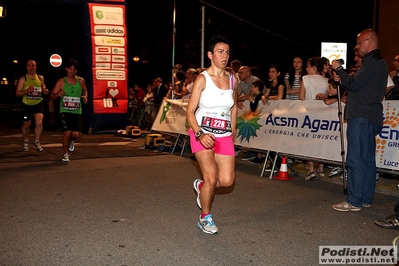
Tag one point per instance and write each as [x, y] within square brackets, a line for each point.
[261, 35]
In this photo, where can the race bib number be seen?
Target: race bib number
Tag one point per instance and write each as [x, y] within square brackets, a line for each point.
[216, 125]
[71, 103]
[36, 94]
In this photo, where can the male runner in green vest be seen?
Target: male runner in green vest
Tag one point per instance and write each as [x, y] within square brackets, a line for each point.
[72, 90]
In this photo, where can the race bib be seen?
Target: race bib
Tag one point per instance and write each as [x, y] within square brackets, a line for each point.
[36, 94]
[215, 125]
[71, 103]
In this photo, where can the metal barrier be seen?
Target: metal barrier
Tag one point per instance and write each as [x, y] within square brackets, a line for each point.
[143, 116]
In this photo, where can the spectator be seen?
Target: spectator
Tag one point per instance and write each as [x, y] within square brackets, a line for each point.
[275, 90]
[312, 84]
[234, 67]
[293, 78]
[327, 67]
[364, 117]
[136, 102]
[150, 109]
[332, 93]
[244, 85]
[393, 93]
[160, 91]
[186, 85]
[178, 72]
[244, 93]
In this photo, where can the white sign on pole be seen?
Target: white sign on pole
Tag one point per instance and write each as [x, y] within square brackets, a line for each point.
[334, 51]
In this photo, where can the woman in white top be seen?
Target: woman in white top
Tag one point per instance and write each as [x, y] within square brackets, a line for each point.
[312, 84]
[212, 117]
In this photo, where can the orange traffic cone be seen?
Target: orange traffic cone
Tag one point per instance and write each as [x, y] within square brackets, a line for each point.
[283, 173]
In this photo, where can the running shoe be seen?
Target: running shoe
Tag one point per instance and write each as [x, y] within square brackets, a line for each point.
[71, 145]
[37, 146]
[25, 146]
[207, 225]
[196, 185]
[66, 158]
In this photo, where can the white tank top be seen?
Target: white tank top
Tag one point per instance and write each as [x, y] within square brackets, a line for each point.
[213, 113]
[314, 84]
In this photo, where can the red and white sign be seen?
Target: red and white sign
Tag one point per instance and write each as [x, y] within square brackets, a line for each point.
[109, 53]
[55, 60]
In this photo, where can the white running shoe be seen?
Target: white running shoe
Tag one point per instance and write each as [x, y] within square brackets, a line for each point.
[71, 145]
[66, 158]
[25, 146]
[37, 146]
[207, 225]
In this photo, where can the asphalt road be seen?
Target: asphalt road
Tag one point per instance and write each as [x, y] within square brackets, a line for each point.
[116, 203]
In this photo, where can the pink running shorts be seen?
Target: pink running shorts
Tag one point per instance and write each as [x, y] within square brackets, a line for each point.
[223, 145]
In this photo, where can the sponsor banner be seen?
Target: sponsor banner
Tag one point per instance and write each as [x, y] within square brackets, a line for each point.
[307, 128]
[171, 117]
[109, 46]
[302, 128]
[387, 150]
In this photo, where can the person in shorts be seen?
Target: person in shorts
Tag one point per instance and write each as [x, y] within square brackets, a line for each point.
[31, 88]
[212, 116]
[72, 92]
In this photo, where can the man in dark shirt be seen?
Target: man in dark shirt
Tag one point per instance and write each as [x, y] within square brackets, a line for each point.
[160, 91]
[364, 116]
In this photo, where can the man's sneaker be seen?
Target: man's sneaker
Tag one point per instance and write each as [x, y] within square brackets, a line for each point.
[256, 161]
[366, 205]
[37, 146]
[196, 185]
[66, 158]
[25, 146]
[207, 225]
[335, 171]
[346, 207]
[249, 156]
[71, 146]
